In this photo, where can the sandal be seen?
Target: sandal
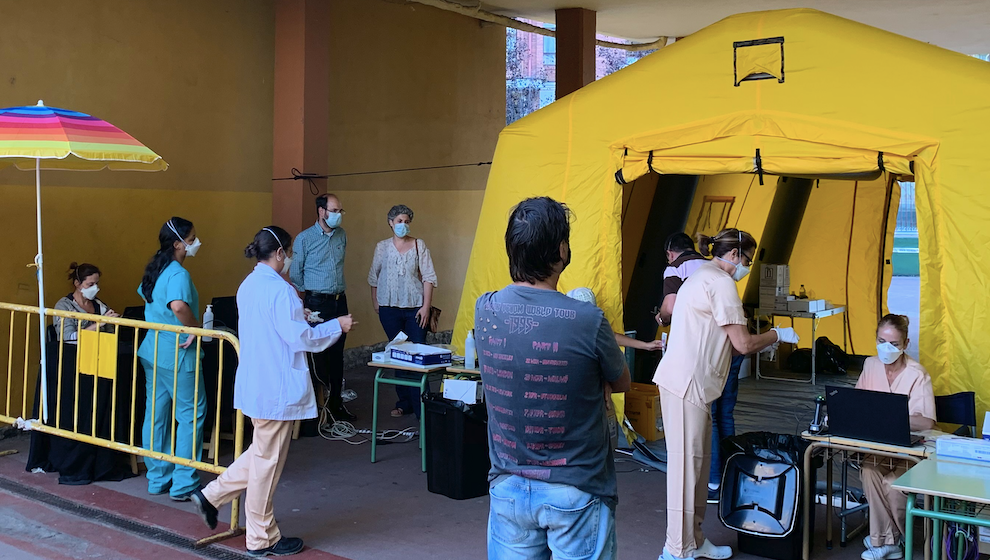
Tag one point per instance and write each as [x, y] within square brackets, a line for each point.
[398, 413]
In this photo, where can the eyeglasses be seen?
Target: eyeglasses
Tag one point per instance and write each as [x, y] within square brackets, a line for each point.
[336, 211]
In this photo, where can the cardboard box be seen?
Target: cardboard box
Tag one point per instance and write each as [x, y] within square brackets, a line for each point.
[781, 306]
[773, 302]
[643, 410]
[420, 354]
[775, 276]
[806, 305]
[773, 291]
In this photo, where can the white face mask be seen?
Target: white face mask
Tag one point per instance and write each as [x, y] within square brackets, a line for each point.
[888, 353]
[740, 272]
[90, 292]
[286, 265]
[191, 250]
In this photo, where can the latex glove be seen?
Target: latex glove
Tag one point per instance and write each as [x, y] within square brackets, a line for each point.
[786, 334]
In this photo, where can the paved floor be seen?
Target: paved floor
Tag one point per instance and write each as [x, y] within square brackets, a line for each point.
[904, 298]
[346, 507]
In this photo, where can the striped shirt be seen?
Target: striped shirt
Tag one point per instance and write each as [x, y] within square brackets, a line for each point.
[318, 260]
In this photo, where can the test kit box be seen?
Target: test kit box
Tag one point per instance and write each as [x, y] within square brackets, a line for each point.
[420, 354]
[806, 305]
[775, 276]
[963, 448]
[643, 410]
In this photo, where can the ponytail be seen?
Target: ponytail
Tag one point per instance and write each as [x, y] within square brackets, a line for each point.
[167, 237]
[704, 244]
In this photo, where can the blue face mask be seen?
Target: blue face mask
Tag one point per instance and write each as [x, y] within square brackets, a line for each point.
[401, 229]
[333, 220]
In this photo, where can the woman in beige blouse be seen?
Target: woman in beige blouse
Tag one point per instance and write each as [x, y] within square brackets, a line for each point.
[402, 281]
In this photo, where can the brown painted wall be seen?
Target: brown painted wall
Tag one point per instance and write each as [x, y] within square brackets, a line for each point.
[411, 86]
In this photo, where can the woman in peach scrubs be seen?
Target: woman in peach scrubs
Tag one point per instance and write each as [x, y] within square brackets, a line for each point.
[707, 324]
[892, 371]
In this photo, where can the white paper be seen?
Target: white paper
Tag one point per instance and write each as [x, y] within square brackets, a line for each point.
[464, 390]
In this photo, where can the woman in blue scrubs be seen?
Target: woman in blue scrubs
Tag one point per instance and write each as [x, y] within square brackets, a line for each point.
[171, 298]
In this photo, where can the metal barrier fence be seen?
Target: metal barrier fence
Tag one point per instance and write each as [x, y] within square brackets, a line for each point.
[94, 354]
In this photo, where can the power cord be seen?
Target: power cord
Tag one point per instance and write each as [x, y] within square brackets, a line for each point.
[332, 429]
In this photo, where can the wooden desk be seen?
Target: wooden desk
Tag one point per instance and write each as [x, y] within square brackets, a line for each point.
[423, 384]
[462, 372]
[851, 450]
[950, 479]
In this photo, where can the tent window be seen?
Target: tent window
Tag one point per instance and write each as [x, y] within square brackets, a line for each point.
[762, 59]
[714, 214]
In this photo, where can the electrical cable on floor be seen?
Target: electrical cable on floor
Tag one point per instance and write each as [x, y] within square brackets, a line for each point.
[332, 429]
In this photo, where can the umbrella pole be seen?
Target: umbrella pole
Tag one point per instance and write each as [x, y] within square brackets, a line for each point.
[39, 264]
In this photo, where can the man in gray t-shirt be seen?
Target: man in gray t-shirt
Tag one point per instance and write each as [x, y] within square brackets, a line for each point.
[546, 360]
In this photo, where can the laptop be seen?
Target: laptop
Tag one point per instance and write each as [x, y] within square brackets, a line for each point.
[869, 415]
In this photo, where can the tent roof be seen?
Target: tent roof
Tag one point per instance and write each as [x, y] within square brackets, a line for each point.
[960, 25]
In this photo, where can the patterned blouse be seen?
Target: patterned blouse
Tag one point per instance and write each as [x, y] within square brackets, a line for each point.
[398, 277]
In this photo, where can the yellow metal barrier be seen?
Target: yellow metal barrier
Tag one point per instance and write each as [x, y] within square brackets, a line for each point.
[96, 355]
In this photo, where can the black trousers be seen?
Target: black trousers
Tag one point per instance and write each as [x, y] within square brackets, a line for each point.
[327, 367]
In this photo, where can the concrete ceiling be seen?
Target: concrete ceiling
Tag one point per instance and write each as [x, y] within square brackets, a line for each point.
[960, 25]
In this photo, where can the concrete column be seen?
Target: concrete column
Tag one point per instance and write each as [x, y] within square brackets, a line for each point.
[302, 108]
[575, 49]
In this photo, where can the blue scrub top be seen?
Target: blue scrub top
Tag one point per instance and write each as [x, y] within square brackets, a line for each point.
[174, 284]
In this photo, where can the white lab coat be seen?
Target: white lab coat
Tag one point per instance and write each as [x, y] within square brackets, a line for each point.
[273, 380]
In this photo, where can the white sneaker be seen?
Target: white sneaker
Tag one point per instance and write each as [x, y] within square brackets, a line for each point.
[709, 550]
[668, 556]
[885, 552]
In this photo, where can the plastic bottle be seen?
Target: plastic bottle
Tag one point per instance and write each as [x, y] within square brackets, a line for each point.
[469, 351]
[208, 322]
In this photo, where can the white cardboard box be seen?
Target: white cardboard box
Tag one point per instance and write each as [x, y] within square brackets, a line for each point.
[963, 448]
[806, 305]
[775, 275]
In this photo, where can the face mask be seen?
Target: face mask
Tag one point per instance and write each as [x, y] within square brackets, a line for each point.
[401, 229]
[888, 353]
[286, 265]
[90, 292]
[740, 272]
[333, 220]
[191, 250]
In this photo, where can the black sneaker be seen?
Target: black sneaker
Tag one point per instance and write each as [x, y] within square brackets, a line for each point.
[343, 414]
[180, 497]
[204, 508]
[287, 546]
[713, 496]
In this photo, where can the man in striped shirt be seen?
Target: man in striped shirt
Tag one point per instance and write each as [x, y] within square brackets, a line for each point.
[318, 271]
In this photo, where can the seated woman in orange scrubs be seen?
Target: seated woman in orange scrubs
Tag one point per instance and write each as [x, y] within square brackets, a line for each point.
[893, 371]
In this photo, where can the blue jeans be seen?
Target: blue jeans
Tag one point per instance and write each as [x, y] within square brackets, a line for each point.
[530, 519]
[394, 320]
[723, 425]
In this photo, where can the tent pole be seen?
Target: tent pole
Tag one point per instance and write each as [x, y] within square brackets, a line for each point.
[39, 264]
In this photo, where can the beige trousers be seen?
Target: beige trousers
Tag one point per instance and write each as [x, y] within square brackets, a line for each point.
[257, 470]
[887, 505]
[687, 431]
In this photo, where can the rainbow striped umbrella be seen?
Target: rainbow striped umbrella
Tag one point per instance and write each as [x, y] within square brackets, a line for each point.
[39, 137]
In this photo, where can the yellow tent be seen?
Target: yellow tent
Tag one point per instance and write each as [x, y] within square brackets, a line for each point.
[789, 93]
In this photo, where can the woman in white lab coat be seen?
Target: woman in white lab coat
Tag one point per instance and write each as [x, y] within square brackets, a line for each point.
[272, 387]
[708, 323]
